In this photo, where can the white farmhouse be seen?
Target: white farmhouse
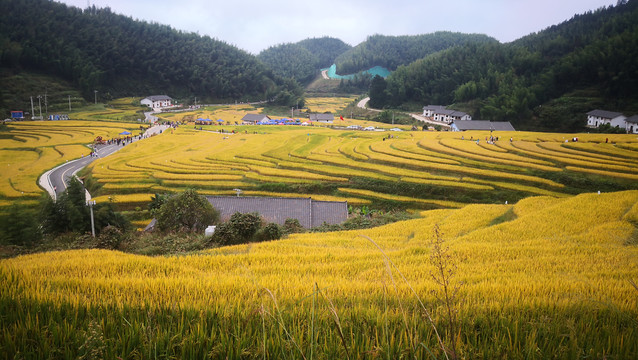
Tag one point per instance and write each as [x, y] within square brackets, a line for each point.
[157, 101]
[440, 113]
[595, 118]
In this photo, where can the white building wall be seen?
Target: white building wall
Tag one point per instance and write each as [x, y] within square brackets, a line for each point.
[596, 121]
[618, 121]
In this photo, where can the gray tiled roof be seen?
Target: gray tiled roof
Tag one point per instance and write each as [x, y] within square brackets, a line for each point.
[310, 213]
[604, 114]
[632, 119]
[255, 117]
[434, 107]
[159, 97]
[483, 125]
[321, 117]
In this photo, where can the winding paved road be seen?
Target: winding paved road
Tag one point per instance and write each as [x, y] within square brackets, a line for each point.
[55, 180]
[362, 104]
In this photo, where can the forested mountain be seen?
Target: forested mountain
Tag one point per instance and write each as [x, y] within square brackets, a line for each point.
[393, 51]
[325, 49]
[96, 49]
[544, 81]
[302, 60]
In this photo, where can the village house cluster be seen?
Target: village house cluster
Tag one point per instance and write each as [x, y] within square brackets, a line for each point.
[460, 121]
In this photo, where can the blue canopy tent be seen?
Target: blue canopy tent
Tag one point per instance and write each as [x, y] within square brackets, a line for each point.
[220, 120]
[125, 133]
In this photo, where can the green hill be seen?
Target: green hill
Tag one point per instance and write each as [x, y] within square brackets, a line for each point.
[544, 81]
[393, 51]
[302, 60]
[96, 49]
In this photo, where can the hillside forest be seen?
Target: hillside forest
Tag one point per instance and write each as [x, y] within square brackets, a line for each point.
[544, 81]
[96, 49]
[303, 60]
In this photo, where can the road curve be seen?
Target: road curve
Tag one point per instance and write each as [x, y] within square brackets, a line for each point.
[55, 180]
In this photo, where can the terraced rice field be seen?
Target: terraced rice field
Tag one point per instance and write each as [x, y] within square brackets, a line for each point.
[123, 109]
[540, 273]
[28, 149]
[328, 104]
[410, 170]
[545, 278]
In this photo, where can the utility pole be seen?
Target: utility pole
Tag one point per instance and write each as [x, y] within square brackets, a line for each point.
[95, 91]
[91, 203]
[40, 105]
[32, 111]
[292, 110]
[392, 118]
[46, 103]
[69, 102]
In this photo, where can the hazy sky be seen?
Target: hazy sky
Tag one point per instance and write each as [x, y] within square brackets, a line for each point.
[254, 25]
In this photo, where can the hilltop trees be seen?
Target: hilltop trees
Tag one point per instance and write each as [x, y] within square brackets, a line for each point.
[301, 61]
[393, 51]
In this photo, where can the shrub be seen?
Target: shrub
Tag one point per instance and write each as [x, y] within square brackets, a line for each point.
[19, 226]
[239, 229]
[110, 238]
[272, 231]
[292, 226]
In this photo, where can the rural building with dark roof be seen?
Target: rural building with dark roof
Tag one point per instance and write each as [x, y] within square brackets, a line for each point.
[463, 125]
[632, 124]
[157, 101]
[310, 213]
[595, 118]
[440, 113]
[252, 119]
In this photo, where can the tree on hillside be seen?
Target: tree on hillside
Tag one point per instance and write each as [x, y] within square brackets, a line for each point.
[187, 211]
[378, 97]
[70, 213]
